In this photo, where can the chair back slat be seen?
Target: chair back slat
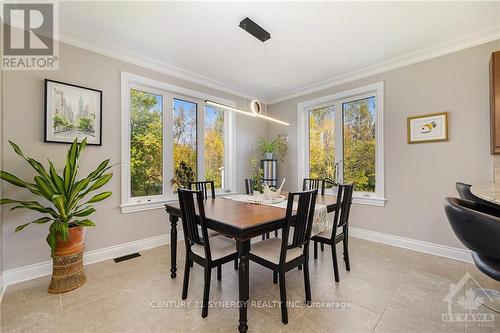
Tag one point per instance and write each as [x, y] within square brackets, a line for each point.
[202, 186]
[249, 186]
[301, 221]
[327, 183]
[312, 184]
[190, 219]
[348, 189]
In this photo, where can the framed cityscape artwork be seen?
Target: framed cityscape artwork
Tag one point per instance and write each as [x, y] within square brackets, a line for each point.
[71, 112]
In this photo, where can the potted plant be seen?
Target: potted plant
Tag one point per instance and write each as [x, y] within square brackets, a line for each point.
[183, 175]
[257, 175]
[65, 205]
[276, 147]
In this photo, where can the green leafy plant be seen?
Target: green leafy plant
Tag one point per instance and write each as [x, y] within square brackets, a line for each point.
[257, 175]
[277, 146]
[183, 174]
[64, 193]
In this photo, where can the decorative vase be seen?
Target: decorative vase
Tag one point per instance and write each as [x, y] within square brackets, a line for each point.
[269, 156]
[67, 262]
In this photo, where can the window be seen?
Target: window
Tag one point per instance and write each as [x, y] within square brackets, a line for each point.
[163, 126]
[185, 115]
[146, 144]
[344, 136]
[214, 145]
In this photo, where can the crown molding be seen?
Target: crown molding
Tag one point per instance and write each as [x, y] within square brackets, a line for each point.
[153, 64]
[456, 45]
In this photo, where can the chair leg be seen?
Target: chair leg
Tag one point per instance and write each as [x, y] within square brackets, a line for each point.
[219, 272]
[275, 277]
[299, 267]
[275, 234]
[322, 247]
[191, 263]
[284, 312]
[236, 264]
[185, 283]
[346, 254]
[315, 250]
[307, 283]
[206, 292]
[264, 237]
[335, 263]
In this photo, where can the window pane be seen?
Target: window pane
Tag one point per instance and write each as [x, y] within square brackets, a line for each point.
[214, 146]
[359, 144]
[146, 143]
[185, 133]
[322, 143]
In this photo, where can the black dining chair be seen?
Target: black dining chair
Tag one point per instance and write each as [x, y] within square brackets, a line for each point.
[465, 193]
[478, 228]
[312, 184]
[282, 255]
[209, 252]
[340, 221]
[249, 186]
[202, 186]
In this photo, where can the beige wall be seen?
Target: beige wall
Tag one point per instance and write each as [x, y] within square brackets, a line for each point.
[23, 116]
[418, 177]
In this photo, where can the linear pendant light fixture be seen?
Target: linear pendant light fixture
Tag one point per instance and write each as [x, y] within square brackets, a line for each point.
[255, 106]
[251, 114]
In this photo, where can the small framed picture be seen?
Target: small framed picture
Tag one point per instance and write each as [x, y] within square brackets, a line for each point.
[432, 127]
[71, 112]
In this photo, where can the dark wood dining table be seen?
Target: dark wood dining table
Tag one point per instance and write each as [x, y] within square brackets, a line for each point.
[241, 221]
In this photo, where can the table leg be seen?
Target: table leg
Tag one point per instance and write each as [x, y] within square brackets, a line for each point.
[243, 247]
[173, 245]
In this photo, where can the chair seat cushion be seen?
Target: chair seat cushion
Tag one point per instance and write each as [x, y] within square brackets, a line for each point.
[220, 247]
[212, 233]
[270, 250]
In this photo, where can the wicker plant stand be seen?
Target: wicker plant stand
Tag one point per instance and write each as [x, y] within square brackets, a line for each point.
[67, 273]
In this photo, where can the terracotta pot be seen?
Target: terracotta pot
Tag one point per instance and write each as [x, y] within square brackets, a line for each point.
[74, 244]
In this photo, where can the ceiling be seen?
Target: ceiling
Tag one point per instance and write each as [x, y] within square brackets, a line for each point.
[312, 43]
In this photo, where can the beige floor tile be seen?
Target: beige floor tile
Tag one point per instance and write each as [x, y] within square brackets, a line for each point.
[387, 290]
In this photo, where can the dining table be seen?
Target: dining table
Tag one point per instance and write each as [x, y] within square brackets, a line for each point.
[241, 221]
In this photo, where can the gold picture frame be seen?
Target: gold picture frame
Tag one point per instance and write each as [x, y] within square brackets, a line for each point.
[431, 127]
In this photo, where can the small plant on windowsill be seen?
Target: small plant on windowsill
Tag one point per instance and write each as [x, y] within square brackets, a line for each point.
[257, 175]
[63, 205]
[183, 175]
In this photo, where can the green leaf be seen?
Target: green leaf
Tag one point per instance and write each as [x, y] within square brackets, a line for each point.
[59, 203]
[100, 197]
[101, 181]
[84, 212]
[44, 188]
[82, 146]
[16, 149]
[33, 205]
[85, 223]
[41, 171]
[38, 221]
[56, 179]
[13, 179]
[64, 232]
[51, 237]
[97, 172]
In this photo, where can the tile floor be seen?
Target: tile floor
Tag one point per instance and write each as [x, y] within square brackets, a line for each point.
[387, 290]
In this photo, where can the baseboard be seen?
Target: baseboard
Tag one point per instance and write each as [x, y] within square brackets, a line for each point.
[413, 244]
[2, 287]
[45, 268]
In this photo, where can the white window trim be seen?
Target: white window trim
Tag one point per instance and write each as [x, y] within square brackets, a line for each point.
[377, 90]
[128, 81]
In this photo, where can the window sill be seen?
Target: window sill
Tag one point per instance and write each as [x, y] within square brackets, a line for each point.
[139, 207]
[370, 201]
